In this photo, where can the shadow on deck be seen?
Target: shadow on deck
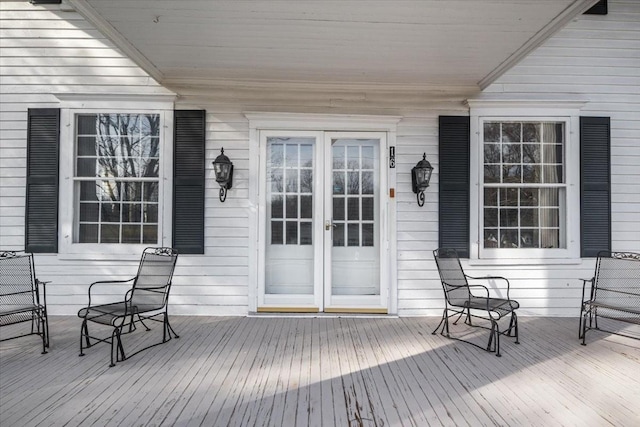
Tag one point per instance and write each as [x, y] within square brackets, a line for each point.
[325, 371]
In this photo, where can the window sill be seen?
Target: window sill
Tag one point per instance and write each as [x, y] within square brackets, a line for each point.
[525, 261]
[105, 252]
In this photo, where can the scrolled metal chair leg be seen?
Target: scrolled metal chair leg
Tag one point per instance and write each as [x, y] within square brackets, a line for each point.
[141, 321]
[446, 325]
[84, 334]
[514, 319]
[581, 321]
[113, 338]
[441, 320]
[497, 335]
[491, 336]
[171, 329]
[584, 329]
[45, 344]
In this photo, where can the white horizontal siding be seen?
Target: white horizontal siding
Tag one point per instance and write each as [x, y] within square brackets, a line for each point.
[60, 52]
[46, 52]
[597, 57]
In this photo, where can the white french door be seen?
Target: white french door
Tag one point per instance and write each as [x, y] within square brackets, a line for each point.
[322, 230]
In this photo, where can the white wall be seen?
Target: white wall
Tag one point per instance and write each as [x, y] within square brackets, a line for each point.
[224, 272]
[45, 51]
[595, 59]
[598, 59]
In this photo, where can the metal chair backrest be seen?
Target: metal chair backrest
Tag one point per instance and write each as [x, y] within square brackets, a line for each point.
[454, 281]
[617, 278]
[18, 285]
[153, 281]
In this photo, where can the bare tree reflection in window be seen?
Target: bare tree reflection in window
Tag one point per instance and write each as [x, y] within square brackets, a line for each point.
[123, 151]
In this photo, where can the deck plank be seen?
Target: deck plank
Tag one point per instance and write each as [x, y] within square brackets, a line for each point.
[177, 391]
[431, 359]
[322, 371]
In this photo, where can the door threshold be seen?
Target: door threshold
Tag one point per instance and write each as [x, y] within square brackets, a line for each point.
[321, 315]
[288, 310]
[355, 310]
[315, 312]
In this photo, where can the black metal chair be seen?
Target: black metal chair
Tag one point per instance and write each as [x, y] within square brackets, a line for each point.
[614, 293]
[147, 298]
[20, 299]
[460, 301]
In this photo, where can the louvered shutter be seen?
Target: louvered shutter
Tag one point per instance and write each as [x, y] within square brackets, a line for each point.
[453, 190]
[595, 185]
[41, 207]
[189, 181]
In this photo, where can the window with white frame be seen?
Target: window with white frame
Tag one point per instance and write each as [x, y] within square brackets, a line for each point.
[526, 173]
[117, 178]
[524, 186]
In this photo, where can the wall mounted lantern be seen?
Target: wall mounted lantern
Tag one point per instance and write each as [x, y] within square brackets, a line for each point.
[223, 168]
[420, 176]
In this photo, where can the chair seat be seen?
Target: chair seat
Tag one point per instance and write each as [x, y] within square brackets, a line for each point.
[619, 307]
[105, 314]
[15, 309]
[499, 305]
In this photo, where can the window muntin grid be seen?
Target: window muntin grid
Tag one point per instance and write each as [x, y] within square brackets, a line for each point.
[116, 180]
[524, 184]
[353, 184]
[290, 190]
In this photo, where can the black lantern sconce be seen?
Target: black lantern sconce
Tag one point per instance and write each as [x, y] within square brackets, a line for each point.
[223, 168]
[420, 177]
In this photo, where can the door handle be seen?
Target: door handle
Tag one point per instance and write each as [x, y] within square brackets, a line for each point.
[327, 225]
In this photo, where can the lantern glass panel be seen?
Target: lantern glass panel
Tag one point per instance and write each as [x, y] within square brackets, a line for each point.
[222, 172]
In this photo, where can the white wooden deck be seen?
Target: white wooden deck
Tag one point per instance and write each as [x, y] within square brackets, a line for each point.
[324, 371]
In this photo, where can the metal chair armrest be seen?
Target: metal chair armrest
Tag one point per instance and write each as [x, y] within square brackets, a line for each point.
[487, 292]
[493, 278]
[106, 282]
[44, 291]
[584, 286]
[481, 286]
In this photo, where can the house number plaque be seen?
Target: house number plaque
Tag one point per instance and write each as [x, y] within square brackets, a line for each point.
[392, 157]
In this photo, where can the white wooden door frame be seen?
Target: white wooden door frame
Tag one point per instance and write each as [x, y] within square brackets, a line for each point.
[285, 301]
[365, 303]
[259, 121]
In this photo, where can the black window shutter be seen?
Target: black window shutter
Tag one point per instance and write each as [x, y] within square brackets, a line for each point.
[41, 205]
[595, 185]
[453, 192]
[188, 181]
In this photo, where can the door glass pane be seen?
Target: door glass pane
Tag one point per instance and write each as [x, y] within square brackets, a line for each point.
[353, 208]
[338, 209]
[306, 206]
[355, 252]
[289, 264]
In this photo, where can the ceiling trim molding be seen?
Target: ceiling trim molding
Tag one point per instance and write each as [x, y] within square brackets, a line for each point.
[148, 97]
[119, 101]
[195, 86]
[316, 121]
[91, 15]
[514, 106]
[571, 12]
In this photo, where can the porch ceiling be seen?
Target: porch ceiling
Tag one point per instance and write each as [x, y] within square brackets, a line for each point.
[452, 45]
